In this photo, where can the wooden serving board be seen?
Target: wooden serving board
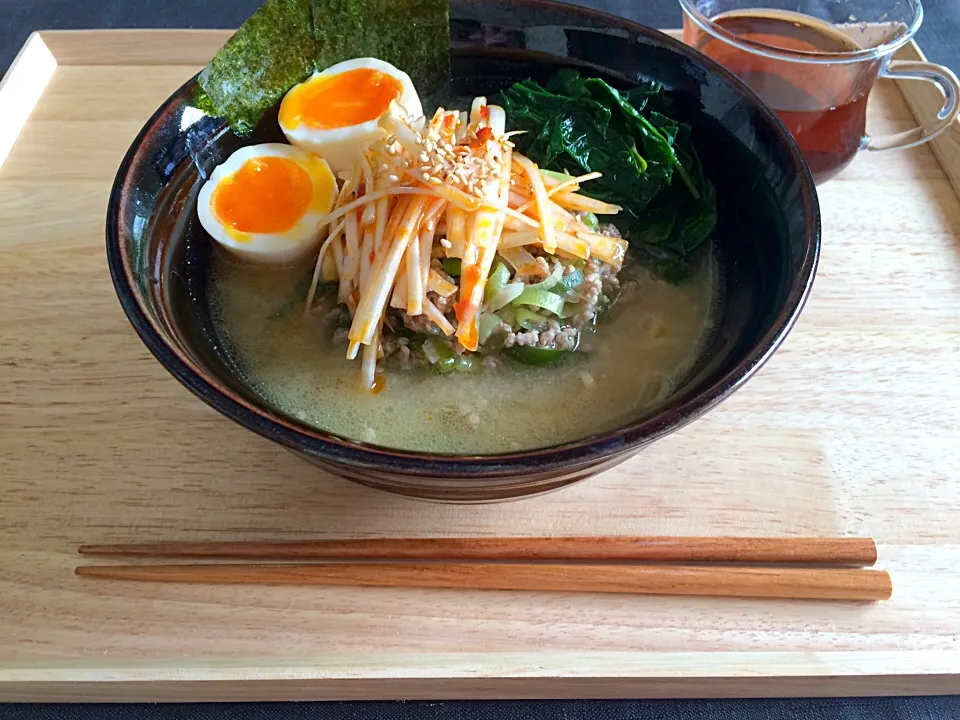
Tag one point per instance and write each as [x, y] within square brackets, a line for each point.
[853, 428]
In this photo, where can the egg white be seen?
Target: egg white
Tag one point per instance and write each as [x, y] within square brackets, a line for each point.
[282, 247]
[341, 146]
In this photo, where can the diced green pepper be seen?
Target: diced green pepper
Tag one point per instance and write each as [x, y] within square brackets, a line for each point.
[464, 363]
[590, 220]
[445, 365]
[567, 284]
[451, 266]
[536, 356]
[446, 358]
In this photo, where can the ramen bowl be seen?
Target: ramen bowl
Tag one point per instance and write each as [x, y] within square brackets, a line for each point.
[766, 245]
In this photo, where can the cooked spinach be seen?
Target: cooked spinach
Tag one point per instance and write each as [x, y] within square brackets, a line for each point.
[578, 125]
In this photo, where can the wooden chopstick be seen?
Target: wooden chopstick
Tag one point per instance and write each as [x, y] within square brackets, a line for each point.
[730, 550]
[747, 582]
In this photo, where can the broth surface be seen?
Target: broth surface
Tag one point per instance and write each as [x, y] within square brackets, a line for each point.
[630, 364]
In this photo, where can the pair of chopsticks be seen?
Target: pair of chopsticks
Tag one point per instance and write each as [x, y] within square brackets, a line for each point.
[805, 568]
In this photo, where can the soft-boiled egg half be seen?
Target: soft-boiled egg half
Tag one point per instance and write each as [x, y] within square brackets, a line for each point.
[334, 113]
[265, 201]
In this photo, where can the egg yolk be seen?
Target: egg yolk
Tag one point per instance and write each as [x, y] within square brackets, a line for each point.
[266, 195]
[342, 100]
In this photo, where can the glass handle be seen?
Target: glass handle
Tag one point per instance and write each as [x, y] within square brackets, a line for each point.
[928, 72]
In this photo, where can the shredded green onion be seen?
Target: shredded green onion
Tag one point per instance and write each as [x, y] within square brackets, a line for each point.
[507, 295]
[590, 220]
[567, 284]
[551, 280]
[543, 299]
[486, 325]
[530, 320]
[497, 281]
[558, 176]
[509, 316]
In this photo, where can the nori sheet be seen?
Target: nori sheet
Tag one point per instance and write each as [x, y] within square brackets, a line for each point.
[286, 40]
[413, 35]
[270, 53]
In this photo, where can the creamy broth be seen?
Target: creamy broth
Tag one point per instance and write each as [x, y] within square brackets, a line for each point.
[628, 366]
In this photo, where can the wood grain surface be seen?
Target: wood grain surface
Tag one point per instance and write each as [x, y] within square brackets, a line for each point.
[853, 428]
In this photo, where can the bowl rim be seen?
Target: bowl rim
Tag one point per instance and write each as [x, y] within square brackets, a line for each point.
[329, 447]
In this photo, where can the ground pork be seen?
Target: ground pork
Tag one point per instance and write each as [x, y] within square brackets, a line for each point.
[609, 282]
[598, 278]
[392, 343]
[331, 312]
[552, 337]
[421, 324]
[610, 230]
[588, 295]
[397, 349]
[558, 338]
[444, 304]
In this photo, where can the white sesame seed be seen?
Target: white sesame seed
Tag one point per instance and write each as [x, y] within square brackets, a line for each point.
[446, 243]
[393, 178]
[436, 181]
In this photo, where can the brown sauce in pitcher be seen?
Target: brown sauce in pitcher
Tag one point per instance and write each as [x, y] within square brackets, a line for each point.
[822, 104]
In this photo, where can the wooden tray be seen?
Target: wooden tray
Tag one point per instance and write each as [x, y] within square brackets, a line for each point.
[853, 428]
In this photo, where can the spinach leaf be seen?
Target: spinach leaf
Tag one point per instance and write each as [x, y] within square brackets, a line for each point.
[577, 134]
[580, 125]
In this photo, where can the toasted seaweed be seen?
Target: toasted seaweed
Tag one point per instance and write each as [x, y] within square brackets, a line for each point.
[286, 40]
[270, 53]
[413, 35]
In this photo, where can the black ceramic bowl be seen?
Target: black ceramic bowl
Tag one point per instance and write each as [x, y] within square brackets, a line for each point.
[767, 242]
